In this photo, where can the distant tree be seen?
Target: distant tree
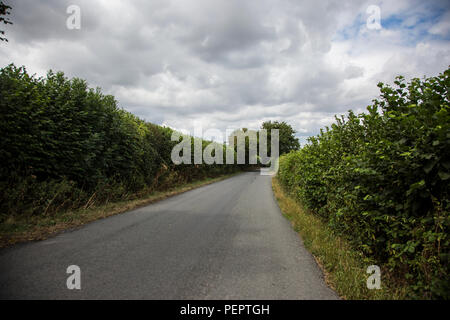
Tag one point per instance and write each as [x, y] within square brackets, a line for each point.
[242, 139]
[288, 141]
[3, 13]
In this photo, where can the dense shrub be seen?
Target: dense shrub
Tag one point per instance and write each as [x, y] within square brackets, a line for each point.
[382, 180]
[64, 145]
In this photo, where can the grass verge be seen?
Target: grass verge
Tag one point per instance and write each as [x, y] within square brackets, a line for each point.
[39, 227]
[343, 266]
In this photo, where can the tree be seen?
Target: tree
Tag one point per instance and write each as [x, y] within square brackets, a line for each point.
[3, 12]
[244, 139]
[287, 138]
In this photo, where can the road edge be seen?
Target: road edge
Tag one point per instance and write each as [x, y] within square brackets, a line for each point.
[44, 227]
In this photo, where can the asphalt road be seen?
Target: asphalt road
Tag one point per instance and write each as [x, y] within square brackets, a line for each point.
[226, 240]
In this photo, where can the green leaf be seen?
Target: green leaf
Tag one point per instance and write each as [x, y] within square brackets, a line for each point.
[444, 175]
[429, 166]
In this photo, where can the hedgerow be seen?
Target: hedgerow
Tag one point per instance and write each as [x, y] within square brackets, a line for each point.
[381, 179]
[64, 145]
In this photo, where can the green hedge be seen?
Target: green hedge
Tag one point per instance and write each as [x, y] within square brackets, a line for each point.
[65, 145]
[381, 179]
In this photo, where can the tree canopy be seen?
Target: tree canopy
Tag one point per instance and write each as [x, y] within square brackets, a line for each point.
[288, 141]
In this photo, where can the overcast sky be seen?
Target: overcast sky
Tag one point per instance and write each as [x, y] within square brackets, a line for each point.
[227, 64]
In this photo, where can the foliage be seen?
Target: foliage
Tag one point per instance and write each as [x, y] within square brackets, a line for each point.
[4, 11]
[382, 180]
[65, 145]
[287, 139]
[244, 139]
[344, 266]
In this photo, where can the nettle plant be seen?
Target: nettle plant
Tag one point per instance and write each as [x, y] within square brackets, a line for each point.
[381, 179]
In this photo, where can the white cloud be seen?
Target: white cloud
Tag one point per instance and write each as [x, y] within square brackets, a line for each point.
[233, 63]
[442, 28]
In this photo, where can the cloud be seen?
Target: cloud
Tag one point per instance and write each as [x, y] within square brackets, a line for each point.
[232, 63]
[442, 27]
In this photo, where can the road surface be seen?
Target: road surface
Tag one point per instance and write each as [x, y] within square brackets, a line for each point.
[226, 240]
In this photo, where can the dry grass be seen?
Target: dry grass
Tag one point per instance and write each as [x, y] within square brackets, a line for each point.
[344, 267]
[39, 227]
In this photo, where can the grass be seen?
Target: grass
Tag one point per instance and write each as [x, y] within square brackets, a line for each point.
[344, 267]
[38, 227]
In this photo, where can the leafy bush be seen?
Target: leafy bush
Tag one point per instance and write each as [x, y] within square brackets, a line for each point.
[65, 145]
[382, 180]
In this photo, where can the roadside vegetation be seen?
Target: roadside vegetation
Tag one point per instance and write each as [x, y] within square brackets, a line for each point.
[70, 155]
[66, 146]
[380, 181]
[343, 266]
[19, 228]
